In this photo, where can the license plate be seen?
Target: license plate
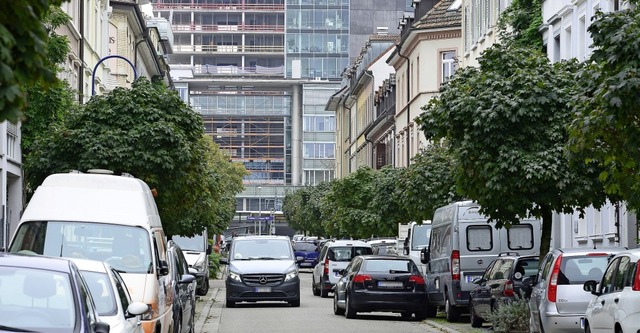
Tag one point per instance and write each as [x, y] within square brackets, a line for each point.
[389, 284]
[263, 289]
[582, 323]
[470, 278]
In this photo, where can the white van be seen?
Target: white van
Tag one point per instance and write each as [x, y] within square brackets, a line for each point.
[461, 247]
[104, 217]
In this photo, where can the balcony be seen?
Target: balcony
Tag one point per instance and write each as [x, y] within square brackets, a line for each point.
[243, 49]
[218, 7]
[178, 28]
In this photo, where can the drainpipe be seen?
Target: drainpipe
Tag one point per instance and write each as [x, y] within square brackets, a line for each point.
[81, 55]
[145, 36]
[408, 104]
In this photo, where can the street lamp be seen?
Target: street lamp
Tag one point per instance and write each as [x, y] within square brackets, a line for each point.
[95, 68]
[272, 229]
[259, 211]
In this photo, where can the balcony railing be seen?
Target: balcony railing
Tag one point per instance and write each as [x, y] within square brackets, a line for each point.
[222, 7]
[229, 48]
[218, 27]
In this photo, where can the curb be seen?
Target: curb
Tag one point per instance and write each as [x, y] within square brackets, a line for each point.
[209, 318]
[440, 327]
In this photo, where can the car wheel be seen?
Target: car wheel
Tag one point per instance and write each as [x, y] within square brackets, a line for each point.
[451, 312]
[314, 288]
[349, 311]
[405, 314]
[475, 320]
[336, 309]
[204, 289]
[295, 303]
[431, 310]
[177, 327]
[231, 304]
[422, 315]
[587, 329]
[324, 293]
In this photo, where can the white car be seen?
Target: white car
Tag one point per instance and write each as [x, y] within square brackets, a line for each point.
[615, 305]
[111, 297]
[335, 256]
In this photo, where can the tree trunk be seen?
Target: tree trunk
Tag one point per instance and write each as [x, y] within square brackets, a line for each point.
[547, 220]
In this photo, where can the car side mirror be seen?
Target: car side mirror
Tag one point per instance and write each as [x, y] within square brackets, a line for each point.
[224, 261]
[590, 286]
[208, 249]
[164, 267]
[187, 278]
[424, 255]
[299, 259]
[342, 271]
[101, 327]
[477, 280]
[136, 309]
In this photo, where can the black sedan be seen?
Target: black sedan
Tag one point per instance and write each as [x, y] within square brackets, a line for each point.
[42, 294]
[381, 283]
[500, 283]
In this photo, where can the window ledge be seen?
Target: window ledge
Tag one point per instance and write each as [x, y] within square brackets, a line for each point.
[474, 47]
[610, 235]
[481, 39]
[581, 239]
[596, 238]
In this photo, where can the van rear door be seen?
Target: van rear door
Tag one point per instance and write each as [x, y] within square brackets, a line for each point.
[479, 245]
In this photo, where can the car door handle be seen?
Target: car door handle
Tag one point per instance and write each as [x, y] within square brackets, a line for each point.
[616, 300]
[602, 302]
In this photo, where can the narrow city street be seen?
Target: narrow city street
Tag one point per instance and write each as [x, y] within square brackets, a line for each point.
[315, 314]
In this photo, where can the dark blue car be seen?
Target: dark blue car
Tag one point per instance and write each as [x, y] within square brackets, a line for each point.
[43, 294]
[309, 251]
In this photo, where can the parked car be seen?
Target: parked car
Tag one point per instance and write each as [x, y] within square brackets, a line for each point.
[196, 250]
[384, 246]
[261, 268]
[44, 294]
[309, 251]
[380, 283]
[111, 297]
[558, 301]
[500, 284]
[615, 304]
[335, 256]
[184, 289]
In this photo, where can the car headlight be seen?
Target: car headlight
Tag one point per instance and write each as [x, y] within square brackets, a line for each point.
[199, 265]
[291, 275]
[235, 276]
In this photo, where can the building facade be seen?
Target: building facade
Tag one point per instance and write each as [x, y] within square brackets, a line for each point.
[260, 73]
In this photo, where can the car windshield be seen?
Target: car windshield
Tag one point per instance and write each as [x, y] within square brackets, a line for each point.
[390, 266]
[248, 249]
[195, 243]
[421, 234]
[346, 253]
[126, 248]
[36, 300]
[101, 291]
[304, 247]
[578, 269]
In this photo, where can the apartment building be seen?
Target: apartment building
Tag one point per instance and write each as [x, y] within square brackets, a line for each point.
[260, 73]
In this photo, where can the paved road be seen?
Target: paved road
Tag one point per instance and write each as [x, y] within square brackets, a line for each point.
[315, 314]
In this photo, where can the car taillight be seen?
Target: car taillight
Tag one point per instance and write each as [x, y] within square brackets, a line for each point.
[455, 265]
[552, 289]
[326, 266]
[360, 278]
[508, 289]
[417, 279]
[636, 279]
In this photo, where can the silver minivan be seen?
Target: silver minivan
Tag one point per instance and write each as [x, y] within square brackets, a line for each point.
[558, 301]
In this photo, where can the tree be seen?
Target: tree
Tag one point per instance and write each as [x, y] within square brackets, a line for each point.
[302, 209]
[149, 132]
[23, 53]
[505, 122]
[606, 127]
[428, 182]
[385, 201]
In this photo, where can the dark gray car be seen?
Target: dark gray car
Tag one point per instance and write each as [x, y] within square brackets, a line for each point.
[262, 268]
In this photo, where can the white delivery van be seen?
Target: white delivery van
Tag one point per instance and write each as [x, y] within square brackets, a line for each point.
[461, 247]
[101, 216]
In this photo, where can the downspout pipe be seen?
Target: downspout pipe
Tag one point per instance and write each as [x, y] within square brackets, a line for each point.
[145, 36]
[81, 55]
[408, 104]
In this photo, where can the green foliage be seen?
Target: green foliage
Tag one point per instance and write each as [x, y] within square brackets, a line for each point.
[23, 53]
[605, 129]
[511, 317]
[505, 122]
[520, 23]
[149, 132]
[214, 265]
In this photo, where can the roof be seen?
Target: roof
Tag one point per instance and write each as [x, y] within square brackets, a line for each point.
[35, 262]
[384, 257]
[587, 250]
[440, 17]
[90, 265]
[252, 237]
[346, 242]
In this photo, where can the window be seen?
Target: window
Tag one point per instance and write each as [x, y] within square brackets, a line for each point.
[449, 64]
[520, 237]
[620, 282]
[607, 280]
[479, 238]
[318, 150]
